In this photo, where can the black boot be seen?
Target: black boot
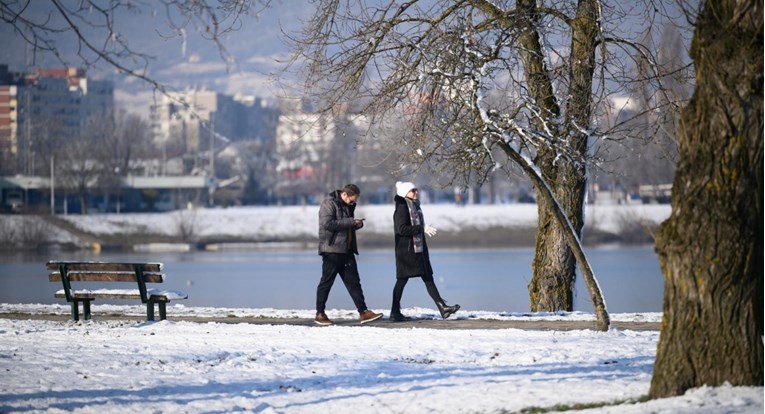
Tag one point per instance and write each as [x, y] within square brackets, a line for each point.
[446, 310]
[398, 317]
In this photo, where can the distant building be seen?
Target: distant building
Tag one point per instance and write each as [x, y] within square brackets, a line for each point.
[9, 140]
[28, 194]
[189, 118]
[303, 141]
[186, 123]
[316, 152]
[255, 119]
[32, 103]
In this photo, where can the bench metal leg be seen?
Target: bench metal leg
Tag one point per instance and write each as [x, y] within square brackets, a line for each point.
[162, 311]
[86, 315]
[86, 309]
[75, 310]
[149, 311]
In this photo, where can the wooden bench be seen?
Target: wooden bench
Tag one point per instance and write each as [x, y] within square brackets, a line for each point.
[67, 272]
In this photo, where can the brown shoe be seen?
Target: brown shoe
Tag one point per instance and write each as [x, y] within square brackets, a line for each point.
[369, 316]
[322, 319]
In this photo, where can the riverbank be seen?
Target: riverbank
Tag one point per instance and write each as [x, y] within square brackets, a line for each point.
[422, 318]
[511, 225]
[458, 324]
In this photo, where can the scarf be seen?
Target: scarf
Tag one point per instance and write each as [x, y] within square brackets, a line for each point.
[415, 214]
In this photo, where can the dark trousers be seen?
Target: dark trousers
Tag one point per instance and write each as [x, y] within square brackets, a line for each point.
[398, 291]
[333, 264]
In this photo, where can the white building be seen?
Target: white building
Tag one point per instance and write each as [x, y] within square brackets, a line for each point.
[194, 117]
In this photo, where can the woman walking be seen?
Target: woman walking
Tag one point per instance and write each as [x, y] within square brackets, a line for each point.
[412, 257]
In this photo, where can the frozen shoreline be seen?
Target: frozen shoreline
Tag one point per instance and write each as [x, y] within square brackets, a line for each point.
[177, 310]
[509, 225]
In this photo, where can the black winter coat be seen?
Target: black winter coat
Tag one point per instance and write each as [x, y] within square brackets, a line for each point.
[409, 263]
[336, 225]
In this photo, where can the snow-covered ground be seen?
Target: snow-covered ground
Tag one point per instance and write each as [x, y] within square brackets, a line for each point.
[176, 366]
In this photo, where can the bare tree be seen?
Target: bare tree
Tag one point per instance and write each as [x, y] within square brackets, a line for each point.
[483, 85]
[711, 247]
[98, 158]
[94, 27]
[257, 171]
[77, 170]
[47, 134]
[128, 139]
[648, 154]
[118, 142]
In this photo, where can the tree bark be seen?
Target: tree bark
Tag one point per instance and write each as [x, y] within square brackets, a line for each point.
[552, 285]
[549, 202]
[711, 247]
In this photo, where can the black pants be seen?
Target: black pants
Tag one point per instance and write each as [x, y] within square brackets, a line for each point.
[333, 264]
[398, 291]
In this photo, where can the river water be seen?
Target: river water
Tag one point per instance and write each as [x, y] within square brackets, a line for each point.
[477, 279]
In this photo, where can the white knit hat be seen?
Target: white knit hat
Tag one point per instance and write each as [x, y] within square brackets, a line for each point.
[404, 187]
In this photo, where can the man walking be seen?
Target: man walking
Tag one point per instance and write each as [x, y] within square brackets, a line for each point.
[337, 247]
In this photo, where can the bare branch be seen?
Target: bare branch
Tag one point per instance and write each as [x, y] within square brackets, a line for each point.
[439, 69]
[92, 26]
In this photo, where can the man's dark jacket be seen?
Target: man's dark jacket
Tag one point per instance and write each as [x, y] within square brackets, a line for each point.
[336, 225]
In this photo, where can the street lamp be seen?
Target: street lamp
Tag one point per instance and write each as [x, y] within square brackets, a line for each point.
[52, 189]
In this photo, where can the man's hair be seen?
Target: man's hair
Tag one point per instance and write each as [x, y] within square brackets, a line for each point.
[351, 190]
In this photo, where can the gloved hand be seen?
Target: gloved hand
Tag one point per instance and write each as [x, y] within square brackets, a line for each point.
[430, 230]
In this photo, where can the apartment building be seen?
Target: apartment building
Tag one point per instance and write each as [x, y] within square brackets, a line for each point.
[40, 102]
[192, 120]
[9, 145]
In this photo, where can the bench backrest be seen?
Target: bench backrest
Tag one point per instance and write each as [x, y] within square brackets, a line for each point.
[140, 273]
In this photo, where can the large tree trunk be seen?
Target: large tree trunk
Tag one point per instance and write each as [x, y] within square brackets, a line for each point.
[547, 198]
[711, 247]
[552, 285]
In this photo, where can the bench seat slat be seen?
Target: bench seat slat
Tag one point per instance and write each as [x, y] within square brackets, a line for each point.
[92, 276]
[79, 295]
[155, 294]
[104, 266]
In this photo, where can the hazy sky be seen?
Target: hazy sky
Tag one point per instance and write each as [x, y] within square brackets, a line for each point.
[180, 59]
[185, 59]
